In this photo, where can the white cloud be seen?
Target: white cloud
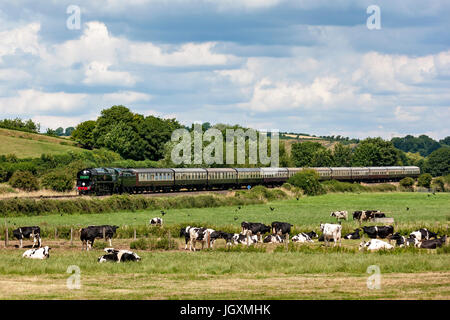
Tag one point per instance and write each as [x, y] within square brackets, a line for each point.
[97, 73]
[24, 39]
[125, 97]
[33, 102]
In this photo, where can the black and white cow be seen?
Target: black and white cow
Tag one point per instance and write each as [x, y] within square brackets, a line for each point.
[274, 238]
[255, 227]
[432, 244]
[423, 234]
[118, 256]
[375, 245]
[90, 233]
[402, 241]
[156, 221]
[228, 237]
[378, 231]
[281, 227]
[194, 234]
[41, 253]
[247, 239]
[353, 235]
[28, 232]
[339, 215]
[311, 234]
[302, 237]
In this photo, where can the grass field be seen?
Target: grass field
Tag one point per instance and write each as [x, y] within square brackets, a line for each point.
[30, 145]
[306, 272]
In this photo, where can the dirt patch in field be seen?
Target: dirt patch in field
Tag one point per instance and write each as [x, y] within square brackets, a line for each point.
[430, 285]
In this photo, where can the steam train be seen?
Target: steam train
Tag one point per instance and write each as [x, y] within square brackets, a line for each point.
[101, 181]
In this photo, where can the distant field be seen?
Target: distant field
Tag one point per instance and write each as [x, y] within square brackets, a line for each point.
[307, 212]
[25, 145]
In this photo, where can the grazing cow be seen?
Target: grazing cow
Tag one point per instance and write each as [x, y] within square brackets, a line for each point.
[156, 221]
[432, 244]
[194, 234]
[90, 233]
[274, 238]
[254, 227]
[281, 227]
[331, 232]
[118, 256]
[228, 237]
[247, 239]
[28, 232]
[367, 215]
[402, 241]
[339, 215]
[378, 231]
[41, 253]
[302, 237]
[374, 245]
[353, 235]
[423, 234]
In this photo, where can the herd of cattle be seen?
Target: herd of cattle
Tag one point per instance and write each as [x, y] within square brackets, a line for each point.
[251, 233]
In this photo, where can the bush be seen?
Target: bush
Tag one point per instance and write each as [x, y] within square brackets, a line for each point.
[425, 180]
[24, 180]
[58, 181]
[287, 186]
[439, 184]
[308, 181]
[407, 183]
[153, 244]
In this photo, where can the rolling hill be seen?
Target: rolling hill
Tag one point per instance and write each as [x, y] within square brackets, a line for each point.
[26, 145]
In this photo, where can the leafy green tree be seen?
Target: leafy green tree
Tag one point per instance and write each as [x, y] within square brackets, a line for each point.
[342, 155]
[322, 158]
[59, 131]
[308, 181]
[445, 141]
[422, 144]
[424, 180]
[124, 140]
[84, 134]
[376, 152]
[68, 131]
[303, 153]
[438, 162]
[51, 132]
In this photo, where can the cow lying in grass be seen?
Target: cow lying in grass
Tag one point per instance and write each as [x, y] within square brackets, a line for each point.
[118, 256]
[374, 245]
[275, 238]
[402, 241]
[423, 234]
[304, 237]
[41, 253]
[432, 244]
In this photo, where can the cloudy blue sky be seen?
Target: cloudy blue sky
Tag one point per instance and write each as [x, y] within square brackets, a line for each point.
[305, 66]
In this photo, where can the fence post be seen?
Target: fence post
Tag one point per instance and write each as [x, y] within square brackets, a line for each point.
[134, 233]
[71, 236]
[104, 235]
[287, 241]
[6, 233]
[56, 233]
[169, 238]
[209, 239]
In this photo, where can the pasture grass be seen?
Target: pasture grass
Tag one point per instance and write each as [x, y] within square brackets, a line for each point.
[308, 271]
[225, 275]
[31, 145]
